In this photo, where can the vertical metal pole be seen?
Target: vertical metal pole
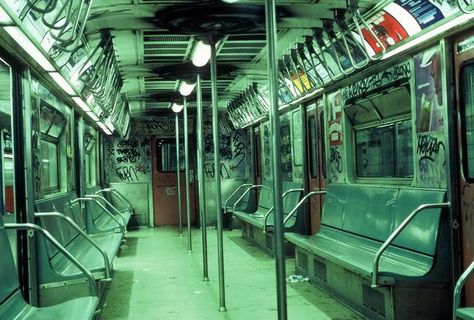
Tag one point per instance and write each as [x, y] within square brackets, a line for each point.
[200, 170]
[277, 185]
[178, 187]
[217, 176]
[186, 164]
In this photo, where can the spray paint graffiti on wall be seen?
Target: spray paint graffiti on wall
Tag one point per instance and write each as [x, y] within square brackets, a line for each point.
[232, 149]
[431, 159]
[128, 160]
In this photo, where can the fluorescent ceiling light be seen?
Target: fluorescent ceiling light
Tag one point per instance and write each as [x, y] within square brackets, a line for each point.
[185, 88]
[110, 126]
[5, 19]
[201, 54]
[107, 132]
[93, 116]
[460, 20]
[177, 107]
[230, 1]
[63, 84]
[23, 41]
[81, 104]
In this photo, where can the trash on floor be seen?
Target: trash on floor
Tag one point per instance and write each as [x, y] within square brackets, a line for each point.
[296, 278]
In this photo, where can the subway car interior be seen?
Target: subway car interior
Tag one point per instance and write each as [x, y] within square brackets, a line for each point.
[237, 159]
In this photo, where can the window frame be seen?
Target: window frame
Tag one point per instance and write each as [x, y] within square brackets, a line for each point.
[462, 109]
[386, 179]
[57, 188]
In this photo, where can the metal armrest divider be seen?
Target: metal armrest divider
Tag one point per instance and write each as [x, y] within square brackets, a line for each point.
[395, 234]
[47, 235]
[265, 218]
[118, 194]
[83, 234]
[234, 193]
[94, 196]
[102, 207]
[458, 288]
[255, 186]
[303, 200]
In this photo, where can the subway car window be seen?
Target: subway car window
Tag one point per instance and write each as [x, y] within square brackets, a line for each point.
[49, 166]
[6, 135]
[313, 147]
[286, 160]
[166, 152]
[90, 158]
[385, 151]
[467, 82]
[323, 143]
[52, 124]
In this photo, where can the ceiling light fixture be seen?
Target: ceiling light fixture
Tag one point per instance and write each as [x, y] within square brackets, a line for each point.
[185, 88]
[23, 41]
[201, 54]
[63, 83]
[93, 116]
[177, 107]
[81, 104]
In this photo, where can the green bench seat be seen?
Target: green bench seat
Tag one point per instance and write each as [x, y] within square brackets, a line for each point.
[265, 203]
[356, 221]
[12, 304]
[55, 267]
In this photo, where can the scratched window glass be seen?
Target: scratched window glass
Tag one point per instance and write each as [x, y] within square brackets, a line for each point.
[385, 151]
[49, 166]
[166, 152]
[467, 81]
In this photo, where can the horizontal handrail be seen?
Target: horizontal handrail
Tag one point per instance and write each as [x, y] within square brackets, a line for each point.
[94, 196]
[103, 208]
[397, 231]
[255, 186]
[265, 218]
[234, 193]
[82, 233]
[47, 235]
[292, 212]
[458, 288]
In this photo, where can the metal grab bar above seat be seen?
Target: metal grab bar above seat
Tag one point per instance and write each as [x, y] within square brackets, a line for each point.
[265, 218]
[397, 231]
[83, 234]
[47, 235]
[234, 193]
[292, 212]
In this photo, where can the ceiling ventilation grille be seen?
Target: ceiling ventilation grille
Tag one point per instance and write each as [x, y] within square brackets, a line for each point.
[165, 48]
[242, 48]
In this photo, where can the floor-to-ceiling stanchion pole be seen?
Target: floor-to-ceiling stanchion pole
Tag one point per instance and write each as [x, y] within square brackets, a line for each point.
[178, 180]
[186, 164]
[200, 170]
[277, 184]
[217, 176]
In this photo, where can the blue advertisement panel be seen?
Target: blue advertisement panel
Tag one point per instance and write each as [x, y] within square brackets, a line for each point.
[427, 12]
